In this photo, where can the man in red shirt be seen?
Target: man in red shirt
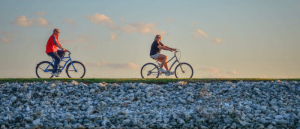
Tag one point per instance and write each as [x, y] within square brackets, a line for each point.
[51, 50]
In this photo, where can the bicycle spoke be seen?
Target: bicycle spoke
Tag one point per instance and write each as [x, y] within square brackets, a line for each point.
[185, 71]
[149, 71]
[76, 70]
[40, 70]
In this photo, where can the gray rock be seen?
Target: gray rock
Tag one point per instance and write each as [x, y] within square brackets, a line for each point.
[37, 122]
[92, 91]
[55, 104]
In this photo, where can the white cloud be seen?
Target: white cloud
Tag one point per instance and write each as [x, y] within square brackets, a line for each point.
[69, 21]
[140, 27]
[263, 76]
[39, 13]
[100, 19]
[122, 66]
[221, 76]
[8, 36]
[284, 77]
[23, 21]
[211, 70]
[233, 72]
[193, 22]
[113, 65]
[5, 40]
[219, 72]
[169, 19]
[217, 40]
[122, 19]
[113, 36]
[78, 39]
[198, 32]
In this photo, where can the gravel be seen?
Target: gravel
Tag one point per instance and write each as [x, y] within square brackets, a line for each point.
[271, 104]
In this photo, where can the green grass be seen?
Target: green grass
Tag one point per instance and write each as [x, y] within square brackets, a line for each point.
[127, 80]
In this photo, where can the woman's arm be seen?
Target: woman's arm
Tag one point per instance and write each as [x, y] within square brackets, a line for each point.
[167, 47]
[164, 47]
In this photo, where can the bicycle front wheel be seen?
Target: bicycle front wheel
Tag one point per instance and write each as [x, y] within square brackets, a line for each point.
[44, 69]
[77, 70]
[184, 70]
[149, 70]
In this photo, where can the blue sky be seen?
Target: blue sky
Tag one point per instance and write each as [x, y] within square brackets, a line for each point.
[218, 38]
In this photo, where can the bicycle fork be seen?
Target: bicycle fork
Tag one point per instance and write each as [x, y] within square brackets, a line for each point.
[180, 65]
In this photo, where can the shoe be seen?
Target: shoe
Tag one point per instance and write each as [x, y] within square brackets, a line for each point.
[59, 66]
[167, 73]
[162, 70]
[58, 73]
[54, 74]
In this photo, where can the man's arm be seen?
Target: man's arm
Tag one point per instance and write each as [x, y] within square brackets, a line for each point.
[58, 45]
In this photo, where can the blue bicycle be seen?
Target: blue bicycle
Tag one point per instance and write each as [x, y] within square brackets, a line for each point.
[75, 69]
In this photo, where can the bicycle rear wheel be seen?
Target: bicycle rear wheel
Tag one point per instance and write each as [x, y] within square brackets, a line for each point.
[77, 70]
[41, 67]
[149, 70]
[185, 71]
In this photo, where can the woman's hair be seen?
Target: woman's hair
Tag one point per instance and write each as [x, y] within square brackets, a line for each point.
[157, 37]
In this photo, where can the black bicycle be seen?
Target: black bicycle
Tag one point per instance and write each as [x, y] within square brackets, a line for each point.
[182, 70]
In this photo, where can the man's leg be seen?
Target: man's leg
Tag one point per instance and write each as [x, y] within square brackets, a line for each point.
[56, 62]
[60, 53]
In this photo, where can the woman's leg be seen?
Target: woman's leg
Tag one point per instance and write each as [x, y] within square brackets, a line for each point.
[163, 59]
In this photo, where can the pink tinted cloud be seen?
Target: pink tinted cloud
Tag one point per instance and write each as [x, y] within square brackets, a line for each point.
[25, 22]
[193, 22]
[99, 19]
[211, 70]
[217, 40]
[69, 21]
[233, 72]
[113, 65]
[138, 27]
[8, 36]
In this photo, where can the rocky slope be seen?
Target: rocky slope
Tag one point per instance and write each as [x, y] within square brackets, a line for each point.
[174, 105]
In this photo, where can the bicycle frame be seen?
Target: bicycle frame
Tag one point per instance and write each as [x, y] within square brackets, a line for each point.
[62, 59]
[170, 60]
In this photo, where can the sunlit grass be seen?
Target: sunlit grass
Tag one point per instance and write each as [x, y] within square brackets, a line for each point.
[128, 80]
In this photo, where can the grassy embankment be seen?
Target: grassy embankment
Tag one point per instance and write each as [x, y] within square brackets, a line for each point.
[127, 80]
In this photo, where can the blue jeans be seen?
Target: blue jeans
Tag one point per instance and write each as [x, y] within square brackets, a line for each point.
[56, 56]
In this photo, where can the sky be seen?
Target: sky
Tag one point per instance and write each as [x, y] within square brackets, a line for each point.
[220, 39]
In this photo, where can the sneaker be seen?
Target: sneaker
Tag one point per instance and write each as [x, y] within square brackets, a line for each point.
[59, 72]
[167, 73]
[59, 66]
[162, 70]
[54, 74]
